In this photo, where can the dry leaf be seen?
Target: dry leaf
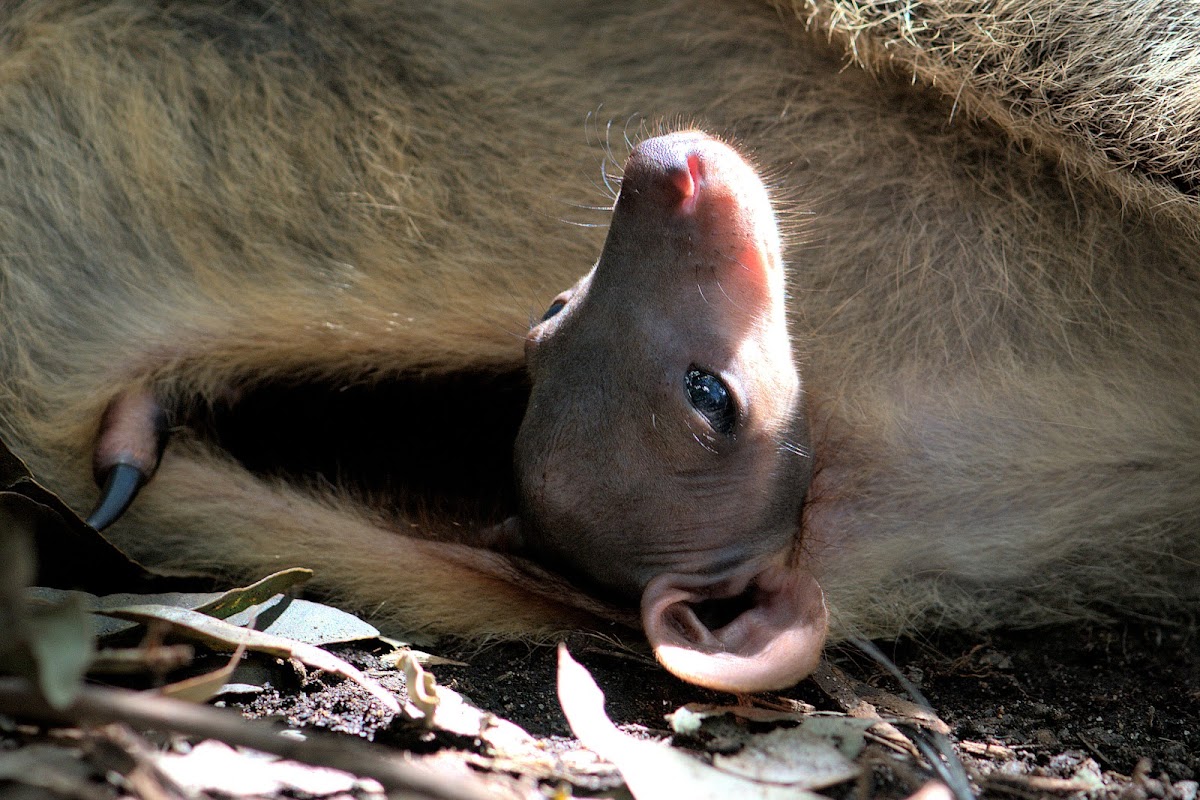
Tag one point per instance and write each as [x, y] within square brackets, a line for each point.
[651, 770]
[220, 635]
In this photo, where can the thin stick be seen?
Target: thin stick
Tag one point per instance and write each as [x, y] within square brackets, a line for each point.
[951, 770]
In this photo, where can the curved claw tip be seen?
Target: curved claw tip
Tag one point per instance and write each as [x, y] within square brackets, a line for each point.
[121, 485]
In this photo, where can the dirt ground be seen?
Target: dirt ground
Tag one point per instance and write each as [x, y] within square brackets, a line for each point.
[1029, 711]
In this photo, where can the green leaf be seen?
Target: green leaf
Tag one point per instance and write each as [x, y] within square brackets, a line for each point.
[51, 644]
[62, 646]
[237, 600]
[202, 688]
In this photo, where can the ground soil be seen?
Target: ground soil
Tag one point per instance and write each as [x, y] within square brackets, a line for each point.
[1120, 701]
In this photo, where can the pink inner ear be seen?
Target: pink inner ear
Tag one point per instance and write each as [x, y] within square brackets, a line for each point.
[772, 645]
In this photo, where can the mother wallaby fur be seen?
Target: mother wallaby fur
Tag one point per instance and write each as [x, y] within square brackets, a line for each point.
[317, 234]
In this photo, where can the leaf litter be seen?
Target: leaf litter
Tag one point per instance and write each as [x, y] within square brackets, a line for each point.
[775, 746]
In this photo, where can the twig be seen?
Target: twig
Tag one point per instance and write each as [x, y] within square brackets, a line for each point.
[99, 705]
[1039, 784]
[134, 757]
[1090, 745]
[934, 745]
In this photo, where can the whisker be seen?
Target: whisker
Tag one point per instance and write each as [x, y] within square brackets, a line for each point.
[796, 449]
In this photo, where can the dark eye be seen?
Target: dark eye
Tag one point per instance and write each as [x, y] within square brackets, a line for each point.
[554, 308]
[711, 397]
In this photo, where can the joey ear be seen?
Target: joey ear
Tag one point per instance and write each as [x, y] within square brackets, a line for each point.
[771, 645]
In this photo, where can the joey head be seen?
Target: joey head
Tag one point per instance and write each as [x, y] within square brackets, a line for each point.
[663, 457]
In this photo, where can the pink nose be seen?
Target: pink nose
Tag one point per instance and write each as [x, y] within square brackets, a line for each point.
[668, 171]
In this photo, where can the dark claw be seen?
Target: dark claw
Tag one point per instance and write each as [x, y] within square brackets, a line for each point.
[133, 434]
[120, 487]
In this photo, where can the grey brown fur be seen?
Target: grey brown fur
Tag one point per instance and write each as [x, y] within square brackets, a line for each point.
[1108, 88]
[1002, 361]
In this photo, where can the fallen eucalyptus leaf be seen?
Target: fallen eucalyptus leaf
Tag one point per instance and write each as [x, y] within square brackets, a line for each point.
[245, 597]
[651, 770]
[845, 733]
[300, 620]
[253, 676]
[213, 767]
[221, 635]
[816, 753]
[799, 756]
[106, 627]
[202, 688]
[304, 621]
